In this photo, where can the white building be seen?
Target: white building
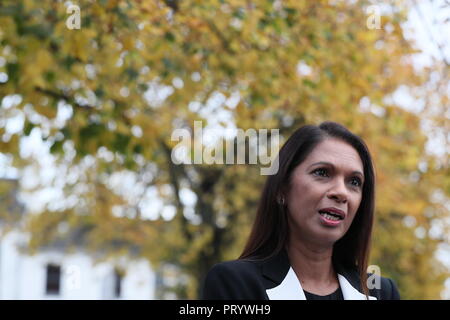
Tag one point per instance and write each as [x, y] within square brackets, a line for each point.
[54, 274]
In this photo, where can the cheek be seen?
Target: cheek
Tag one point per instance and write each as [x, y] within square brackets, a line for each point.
[300, 194]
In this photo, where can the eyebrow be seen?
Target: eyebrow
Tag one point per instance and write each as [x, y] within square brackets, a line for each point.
[330, 164]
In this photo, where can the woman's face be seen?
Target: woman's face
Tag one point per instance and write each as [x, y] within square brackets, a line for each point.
[331, 177]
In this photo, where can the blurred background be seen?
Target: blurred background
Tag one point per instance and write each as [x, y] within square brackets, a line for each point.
[92, 205]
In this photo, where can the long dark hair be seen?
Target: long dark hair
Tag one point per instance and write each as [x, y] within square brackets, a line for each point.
[270, 231]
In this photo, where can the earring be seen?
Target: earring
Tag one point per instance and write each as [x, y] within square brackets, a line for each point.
[281, 201]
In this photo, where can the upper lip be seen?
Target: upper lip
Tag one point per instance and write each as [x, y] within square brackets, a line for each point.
[335, 211]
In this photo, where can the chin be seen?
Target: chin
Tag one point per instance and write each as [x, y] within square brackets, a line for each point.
[330, 236]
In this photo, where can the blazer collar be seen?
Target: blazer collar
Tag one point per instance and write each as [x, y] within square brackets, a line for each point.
[288, 287]
[276, 267]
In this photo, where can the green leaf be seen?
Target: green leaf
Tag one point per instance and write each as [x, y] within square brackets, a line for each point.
[56, 147]
[28, 127]
[13, 71]
[91, 131]
[50, 76]
[120, 143]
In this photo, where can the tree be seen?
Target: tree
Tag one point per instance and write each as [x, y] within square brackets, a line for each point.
[112, 92]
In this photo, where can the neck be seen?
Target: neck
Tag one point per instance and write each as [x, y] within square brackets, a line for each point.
[312, 264]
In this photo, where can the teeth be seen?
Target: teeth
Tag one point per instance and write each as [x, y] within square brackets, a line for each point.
[330, 217]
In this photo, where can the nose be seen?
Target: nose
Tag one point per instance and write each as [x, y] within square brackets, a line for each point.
[338, 191]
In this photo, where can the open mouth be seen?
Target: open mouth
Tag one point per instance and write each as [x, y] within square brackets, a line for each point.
[331, 215]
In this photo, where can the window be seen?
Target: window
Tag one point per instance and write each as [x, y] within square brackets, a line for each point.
[117, 283]
[53, 280]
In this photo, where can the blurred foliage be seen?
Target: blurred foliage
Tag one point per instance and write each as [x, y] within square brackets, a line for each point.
[289, 63]
[11, 209]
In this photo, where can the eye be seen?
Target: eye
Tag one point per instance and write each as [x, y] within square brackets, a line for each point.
[358, 182]
[320, 172]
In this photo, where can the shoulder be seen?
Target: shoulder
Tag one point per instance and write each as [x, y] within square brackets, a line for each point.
[237, 279]
[383, 288]
[235, 266]
[233, 270]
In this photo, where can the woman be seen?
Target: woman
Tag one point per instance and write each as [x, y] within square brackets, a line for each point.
[311, 235]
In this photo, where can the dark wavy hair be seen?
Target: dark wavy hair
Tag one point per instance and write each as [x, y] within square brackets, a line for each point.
[270, 231]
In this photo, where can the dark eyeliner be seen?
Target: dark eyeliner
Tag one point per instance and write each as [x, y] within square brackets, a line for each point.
[319, 169]
[359, 182]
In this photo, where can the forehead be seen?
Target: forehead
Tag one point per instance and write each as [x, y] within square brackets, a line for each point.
[338, 153]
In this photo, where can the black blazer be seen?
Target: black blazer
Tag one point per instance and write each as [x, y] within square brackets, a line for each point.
[274, 279]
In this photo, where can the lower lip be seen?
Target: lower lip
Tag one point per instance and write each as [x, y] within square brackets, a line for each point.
[331, 223]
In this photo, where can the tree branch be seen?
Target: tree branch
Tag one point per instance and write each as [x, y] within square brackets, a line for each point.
[70, 100]
[173, 176]
[173, 4]
[223, 40]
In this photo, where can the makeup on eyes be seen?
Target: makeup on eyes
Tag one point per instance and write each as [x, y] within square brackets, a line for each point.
[359, 180]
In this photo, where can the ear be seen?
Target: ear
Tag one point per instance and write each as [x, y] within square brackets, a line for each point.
[282, 195]
[281, 200]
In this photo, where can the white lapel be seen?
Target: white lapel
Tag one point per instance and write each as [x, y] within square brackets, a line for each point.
[291, 289]
[349, 292]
